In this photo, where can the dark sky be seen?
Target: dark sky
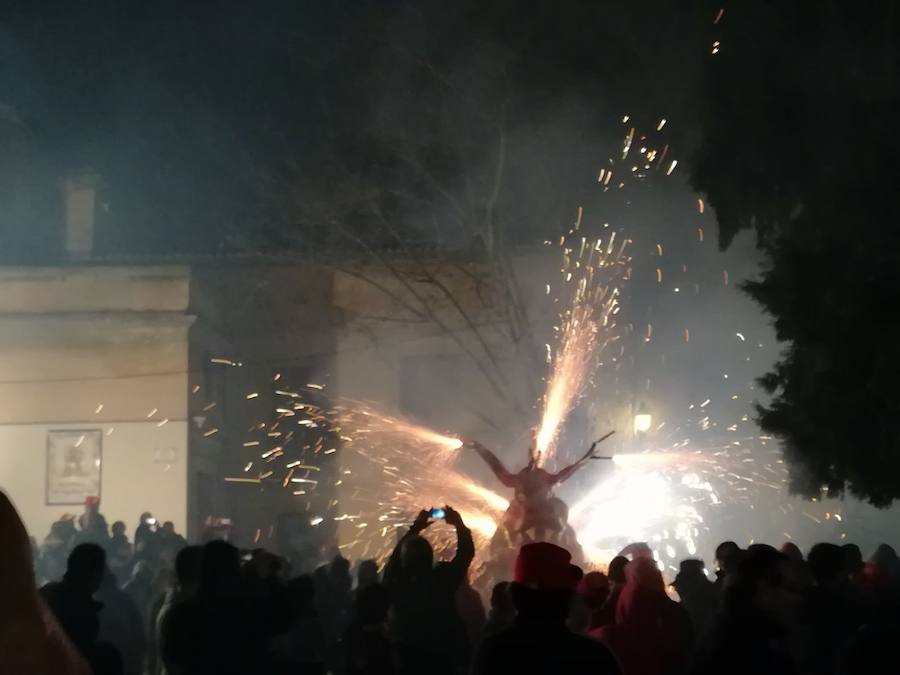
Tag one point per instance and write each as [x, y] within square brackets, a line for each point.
[237, 125]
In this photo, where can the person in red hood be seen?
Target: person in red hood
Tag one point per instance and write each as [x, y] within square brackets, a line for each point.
[31, 641]
[651, 633]
[539, 641]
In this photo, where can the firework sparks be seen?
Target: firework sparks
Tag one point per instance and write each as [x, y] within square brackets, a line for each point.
[585, 329]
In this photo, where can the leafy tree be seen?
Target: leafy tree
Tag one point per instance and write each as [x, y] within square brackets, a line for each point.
[799, 144]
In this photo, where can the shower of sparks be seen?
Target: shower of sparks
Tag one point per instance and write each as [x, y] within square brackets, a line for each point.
[586, 328]
[597, 269]
[681, 496]
[390, 469]
[676, 498]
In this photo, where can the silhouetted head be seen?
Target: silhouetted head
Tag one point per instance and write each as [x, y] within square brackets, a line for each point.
[119, 528]
[826, 563]
[221, 568]
[367, 574]
[168, 527]
[145, 516]
[577, 575]
[416, 556]
[543, 582]
[339, 568]
[645, 573]
[616, 570]
[691, 575]
[263, 565]
[85, 567]
[728, 555]
[501, 598]
[756, 578]
[372, 604]
[594, 588]
[59, 529]
[91, 506]
[885, 555]
[791, 551]
[853, 560]
[188, 567]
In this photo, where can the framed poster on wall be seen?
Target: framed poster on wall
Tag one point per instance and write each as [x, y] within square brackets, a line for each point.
[73, 465]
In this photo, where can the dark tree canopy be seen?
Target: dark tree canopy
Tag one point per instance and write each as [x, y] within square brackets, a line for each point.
[799, 143]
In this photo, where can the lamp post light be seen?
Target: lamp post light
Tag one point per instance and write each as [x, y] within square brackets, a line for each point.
[643, 420]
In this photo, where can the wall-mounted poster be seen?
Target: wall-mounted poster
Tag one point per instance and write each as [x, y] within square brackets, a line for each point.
[73, 465]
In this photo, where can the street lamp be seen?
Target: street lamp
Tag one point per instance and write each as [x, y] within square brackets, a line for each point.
[643, 420]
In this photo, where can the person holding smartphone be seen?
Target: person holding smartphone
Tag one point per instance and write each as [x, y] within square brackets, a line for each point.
[426, 630]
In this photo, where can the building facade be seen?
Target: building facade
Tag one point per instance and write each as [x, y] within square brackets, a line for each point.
[93, 391]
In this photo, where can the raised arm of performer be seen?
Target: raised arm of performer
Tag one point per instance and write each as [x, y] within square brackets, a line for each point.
[565, 474]
[500, 471]
[570, 470]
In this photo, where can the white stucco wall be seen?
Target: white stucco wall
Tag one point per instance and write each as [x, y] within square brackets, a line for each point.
[96, 348]
[142, 469]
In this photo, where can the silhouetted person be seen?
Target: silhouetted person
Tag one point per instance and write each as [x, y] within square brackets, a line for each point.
[830, 611]
[538, 641]
[606, 615]
[223, 629]
[853, 563]
[302, 646]
[31, 640]
[795, 570]
[171, 537]
[749, 636]
[121, 625]
[579, 614]
[365, 647]
[187, 579]
[886, 563]
[698, 596]
[141, 588]
[72, 601]
[881, 587]
[423, 599]
[502, 612]
[728, 556]
[92, 523]
[56, 548]
[146, 538]
[651, 634]
[470, 609]
[367, 573]
[595, 589]
[119, 552]
[333, 599]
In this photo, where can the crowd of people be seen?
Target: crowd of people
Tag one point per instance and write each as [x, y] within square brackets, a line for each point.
[89, 601]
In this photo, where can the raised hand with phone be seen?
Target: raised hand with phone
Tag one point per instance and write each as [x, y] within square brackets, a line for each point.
[423, 595]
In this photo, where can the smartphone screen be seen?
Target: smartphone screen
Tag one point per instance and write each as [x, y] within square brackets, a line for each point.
[438, 514]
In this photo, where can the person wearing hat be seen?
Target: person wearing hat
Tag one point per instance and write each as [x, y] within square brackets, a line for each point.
[539, 641]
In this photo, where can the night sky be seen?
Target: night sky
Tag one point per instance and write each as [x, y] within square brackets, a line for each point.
[232, 127]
